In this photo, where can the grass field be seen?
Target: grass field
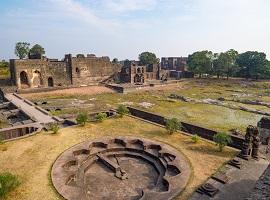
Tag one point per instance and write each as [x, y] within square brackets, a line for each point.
[31, 158]
[209, 116]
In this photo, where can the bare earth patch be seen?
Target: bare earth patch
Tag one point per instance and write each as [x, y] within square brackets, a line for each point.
[31, 158]
[90, 90]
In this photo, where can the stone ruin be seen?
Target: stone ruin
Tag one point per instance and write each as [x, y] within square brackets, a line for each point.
[251, 144]
[125, 168]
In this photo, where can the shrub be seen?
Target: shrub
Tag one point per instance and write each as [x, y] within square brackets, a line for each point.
[1, 140]
[172, 125]
[195, 138]
[122, 110]
[54, 127]
[8, 182]
[82, 118]
[101, 117]
[222, 140]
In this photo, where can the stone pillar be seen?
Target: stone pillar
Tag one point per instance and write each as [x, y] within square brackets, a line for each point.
[247, 144]
[255, 144]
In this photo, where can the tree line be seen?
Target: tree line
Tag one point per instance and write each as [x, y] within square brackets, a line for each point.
[250, 64]
[22, 50]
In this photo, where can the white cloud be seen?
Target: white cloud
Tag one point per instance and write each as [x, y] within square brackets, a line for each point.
[129, 5]
[76, 10]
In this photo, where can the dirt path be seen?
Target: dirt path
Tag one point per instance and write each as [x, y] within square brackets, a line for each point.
[90, 90]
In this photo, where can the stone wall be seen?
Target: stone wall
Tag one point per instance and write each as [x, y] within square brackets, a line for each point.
[35, 73]
[91, 70]
[8, 134]
[205, 133]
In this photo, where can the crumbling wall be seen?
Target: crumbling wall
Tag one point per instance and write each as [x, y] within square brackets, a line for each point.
[34, 73]
[92, 70]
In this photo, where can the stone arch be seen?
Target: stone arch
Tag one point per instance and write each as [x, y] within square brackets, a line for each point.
[50, 82]
[138, 70]
[37, 79]
[24, 80]
[138, 78]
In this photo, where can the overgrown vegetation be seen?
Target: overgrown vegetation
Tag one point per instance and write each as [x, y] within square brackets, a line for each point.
[54, 127]
[172, 125]
[82, 118]
[100, 117]
[1, 140]
[8, 182]
[222, 140]
[195, 138]
[122, 110]
[4, 69]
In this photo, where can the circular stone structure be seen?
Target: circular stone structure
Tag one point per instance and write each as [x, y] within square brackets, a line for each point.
[122, 168]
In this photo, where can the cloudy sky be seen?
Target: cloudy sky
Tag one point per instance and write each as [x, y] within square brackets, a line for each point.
[124, 28]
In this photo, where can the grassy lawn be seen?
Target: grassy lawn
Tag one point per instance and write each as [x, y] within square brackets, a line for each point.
[4, 73]
[209, 116]
[31, 158]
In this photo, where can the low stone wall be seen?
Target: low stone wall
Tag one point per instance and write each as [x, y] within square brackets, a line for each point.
[205, 133]
[12, 133]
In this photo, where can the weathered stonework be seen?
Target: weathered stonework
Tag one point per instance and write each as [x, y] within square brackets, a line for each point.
[76, 71]
[134, 73]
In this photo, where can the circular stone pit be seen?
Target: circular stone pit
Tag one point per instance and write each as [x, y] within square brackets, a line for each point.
[122, 168]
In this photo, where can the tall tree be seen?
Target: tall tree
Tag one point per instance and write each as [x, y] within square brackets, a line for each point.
[147, 58]
[37, 50]
[232, 67]
[200, 62]
[252, 64]
[219, 64]
[22, 49]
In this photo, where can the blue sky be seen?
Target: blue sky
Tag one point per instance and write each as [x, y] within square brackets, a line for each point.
[124, 28]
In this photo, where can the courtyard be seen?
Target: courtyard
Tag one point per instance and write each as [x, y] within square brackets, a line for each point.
[33, 157]
[236, 113]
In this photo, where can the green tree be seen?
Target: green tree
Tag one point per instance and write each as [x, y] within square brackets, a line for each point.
[147, 58]
[122, 110]
[252, 64]
[172, 125]
[101, 117]
[200, 62]
[233, 67]
[54, 127]
[37, 50]
[222, 140]
[222, 64]
[82, 118]
[22, 49]
[8, 182]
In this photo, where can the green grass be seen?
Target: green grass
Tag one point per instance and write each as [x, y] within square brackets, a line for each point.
[209, 116]
[4, 73]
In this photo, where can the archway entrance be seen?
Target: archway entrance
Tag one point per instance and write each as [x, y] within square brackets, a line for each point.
[139, 79]
[37, 81]
[50, 82]
[24, 80]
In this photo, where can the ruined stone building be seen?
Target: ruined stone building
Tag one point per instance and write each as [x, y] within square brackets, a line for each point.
[76, 71]
[174, 63]
[177, 67]
[133, 72]
[42, 72]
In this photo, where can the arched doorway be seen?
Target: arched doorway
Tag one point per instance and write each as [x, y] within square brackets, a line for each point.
[24, 80]
[50, 82]
[138, 78]
[37, 80]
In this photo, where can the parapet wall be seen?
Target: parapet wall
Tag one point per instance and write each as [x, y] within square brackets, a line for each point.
[12, 133]
[205, 133]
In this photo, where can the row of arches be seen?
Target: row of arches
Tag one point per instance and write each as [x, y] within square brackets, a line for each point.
[36, 81]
